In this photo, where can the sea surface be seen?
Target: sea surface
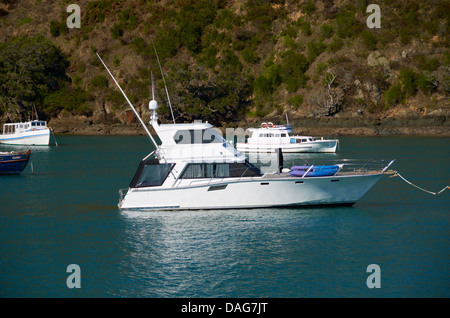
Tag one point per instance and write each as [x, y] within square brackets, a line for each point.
[62, 210]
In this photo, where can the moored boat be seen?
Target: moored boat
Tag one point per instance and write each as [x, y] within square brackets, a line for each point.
[194, 168]
[13, 162]
[31, 133]
[270, 137]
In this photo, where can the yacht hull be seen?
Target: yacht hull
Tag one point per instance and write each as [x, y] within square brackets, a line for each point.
[323, 146]
[253, 193]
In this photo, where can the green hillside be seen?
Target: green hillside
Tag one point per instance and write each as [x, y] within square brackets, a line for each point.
[228, 62]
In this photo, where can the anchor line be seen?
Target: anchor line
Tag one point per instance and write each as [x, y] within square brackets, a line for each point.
[427, 191]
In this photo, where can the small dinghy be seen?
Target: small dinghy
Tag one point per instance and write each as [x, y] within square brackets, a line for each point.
[13, 162]
[314, 171]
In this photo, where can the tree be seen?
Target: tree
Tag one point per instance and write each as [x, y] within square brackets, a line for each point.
[329, 99]
[218, 98]
[30, 69]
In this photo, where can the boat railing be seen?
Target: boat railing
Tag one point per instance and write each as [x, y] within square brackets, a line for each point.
[350, 166]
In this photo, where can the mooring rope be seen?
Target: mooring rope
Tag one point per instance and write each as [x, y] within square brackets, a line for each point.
[433, 193]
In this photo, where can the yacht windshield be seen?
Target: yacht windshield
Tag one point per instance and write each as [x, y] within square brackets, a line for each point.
[151, 173]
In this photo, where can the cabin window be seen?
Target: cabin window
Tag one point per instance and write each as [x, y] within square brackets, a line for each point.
[151, 173]
[245, 169]
[220, 170]
[283, 135]
[195, 136]
[206, 170]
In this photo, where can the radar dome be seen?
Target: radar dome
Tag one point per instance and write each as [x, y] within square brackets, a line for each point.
[153, 105]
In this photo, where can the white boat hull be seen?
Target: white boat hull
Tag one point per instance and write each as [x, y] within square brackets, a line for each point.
[327, 146]
[28, 138]
[253, 193]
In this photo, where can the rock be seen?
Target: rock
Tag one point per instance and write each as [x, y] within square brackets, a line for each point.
[372, 59]
[359, 94]
[375, 59]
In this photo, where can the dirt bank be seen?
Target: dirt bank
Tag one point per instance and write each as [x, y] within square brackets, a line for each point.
[426, 125]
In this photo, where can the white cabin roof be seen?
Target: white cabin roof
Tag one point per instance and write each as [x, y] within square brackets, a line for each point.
[195, 142]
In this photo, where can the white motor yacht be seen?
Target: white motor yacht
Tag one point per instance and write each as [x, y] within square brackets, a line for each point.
[31, 133]
[194, 168]
[271, 137]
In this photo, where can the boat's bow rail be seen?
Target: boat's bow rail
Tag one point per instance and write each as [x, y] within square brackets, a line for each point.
[348, 166]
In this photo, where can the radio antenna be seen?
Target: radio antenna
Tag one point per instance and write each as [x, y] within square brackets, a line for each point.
[162, 74]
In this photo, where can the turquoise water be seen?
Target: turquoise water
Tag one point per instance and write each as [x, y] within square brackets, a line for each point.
[65, 212]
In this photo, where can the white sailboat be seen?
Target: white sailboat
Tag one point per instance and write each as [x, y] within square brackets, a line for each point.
[196, 168]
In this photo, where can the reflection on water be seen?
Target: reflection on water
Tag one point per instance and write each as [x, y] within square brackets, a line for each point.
[221, 253]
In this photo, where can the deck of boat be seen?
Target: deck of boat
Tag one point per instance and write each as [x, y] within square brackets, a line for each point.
[339, 174]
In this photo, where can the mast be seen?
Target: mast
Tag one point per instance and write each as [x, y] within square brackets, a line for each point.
[162, 74]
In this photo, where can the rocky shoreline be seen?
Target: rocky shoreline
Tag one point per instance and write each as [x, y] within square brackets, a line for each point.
[435, 125]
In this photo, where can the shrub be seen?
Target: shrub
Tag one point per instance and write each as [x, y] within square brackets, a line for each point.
[326, 31]
[72, 100]
[336, 45]
[305, 27]
[262, 85]
[315, 49]
[116, 31]
[321, 67]
[426, 82]
[294, 82]
[58, 28]
[231, 60]
[296, 101]
[369, 39]
[208, 56]
[346, 24]
[309, 7]
[139, 44]
[250, 56]
[294, 62]
[24, 21]
[446, 58]
[407, 79]
[272, 73]
[99, 81]
[394, 95]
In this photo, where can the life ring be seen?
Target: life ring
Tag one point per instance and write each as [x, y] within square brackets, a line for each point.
[270, 125]
[263, 125]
